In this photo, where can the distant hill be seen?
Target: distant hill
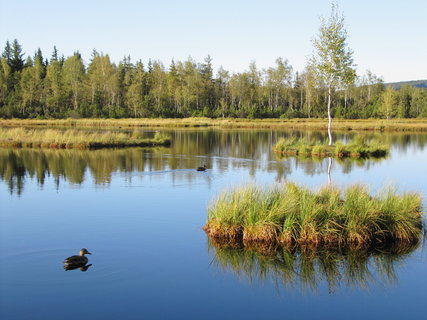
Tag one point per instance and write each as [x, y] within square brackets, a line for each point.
[414, 83]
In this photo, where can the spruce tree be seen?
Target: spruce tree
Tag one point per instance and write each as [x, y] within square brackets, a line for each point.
[17, 61]
[54, 56]
[8, 53]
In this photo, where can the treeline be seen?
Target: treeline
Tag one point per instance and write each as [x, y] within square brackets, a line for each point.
[59, 87]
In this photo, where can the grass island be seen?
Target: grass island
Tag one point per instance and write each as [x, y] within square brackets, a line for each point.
[292, 215]
[76, 139]
[355, 149]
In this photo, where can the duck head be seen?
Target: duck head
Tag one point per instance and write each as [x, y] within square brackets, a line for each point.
[84, 251]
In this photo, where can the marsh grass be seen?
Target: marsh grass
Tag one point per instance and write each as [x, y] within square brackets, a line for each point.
[358, 148]
[313, 124]
[291, 215]
[79, 139]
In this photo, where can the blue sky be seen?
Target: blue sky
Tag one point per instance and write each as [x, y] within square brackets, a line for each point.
[388, 37]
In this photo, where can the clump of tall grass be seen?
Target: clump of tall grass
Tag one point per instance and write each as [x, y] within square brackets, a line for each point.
[72, 138]
[358, 148]
[294, 215]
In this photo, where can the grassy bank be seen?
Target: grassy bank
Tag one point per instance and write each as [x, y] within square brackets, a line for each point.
[355, 149]
[293, 215]
[72, 138]
[313, 124]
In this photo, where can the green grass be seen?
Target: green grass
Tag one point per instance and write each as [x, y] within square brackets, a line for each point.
[293, 215]
[79, 139]
[312, 124]
[357, 148]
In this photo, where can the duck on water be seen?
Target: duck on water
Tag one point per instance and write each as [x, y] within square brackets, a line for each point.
[79, 261]
[202, 168]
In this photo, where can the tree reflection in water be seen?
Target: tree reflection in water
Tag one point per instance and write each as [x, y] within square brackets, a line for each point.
[220, 149]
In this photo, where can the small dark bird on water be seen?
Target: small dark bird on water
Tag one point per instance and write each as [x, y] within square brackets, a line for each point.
[79, 261]
[202, 168]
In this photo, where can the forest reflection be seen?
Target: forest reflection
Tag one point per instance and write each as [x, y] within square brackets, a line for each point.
[221, 150]
[308, 269]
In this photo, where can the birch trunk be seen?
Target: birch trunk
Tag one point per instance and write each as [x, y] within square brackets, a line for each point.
[329, 116]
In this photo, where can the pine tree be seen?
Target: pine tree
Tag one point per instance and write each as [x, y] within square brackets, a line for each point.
[17, 61]
[8, 53]
[54, 56]
[54, 88]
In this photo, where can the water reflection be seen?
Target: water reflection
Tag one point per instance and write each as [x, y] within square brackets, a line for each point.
[309, 269]
[220, 150]
[83, 268]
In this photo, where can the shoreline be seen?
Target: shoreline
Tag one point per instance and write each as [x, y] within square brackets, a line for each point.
[314, 124]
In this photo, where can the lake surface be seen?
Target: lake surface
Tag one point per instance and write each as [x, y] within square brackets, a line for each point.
[140, 213]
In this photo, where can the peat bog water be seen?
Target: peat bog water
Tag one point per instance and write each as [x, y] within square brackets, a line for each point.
[140, 212]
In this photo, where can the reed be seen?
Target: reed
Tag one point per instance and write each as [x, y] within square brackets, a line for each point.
[72, 138]
[313, 124]
[292, 215]
[358, 148]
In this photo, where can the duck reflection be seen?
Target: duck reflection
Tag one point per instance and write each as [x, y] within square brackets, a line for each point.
[82, 268]
[307, 268]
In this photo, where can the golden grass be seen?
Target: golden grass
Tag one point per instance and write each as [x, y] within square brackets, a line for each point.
[355, 149]
[72, 138]
[314, 124]
[293, 215]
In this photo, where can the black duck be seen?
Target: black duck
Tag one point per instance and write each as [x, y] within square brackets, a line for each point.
[75, 262]
[202, 168]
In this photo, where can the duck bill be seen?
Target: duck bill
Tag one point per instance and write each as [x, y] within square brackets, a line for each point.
[88, 253]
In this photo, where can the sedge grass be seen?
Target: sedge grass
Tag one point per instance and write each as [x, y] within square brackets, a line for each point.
[358, 148]
[79, 139]
[294, 215]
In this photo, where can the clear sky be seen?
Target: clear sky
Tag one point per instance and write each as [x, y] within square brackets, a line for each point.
[389, 37]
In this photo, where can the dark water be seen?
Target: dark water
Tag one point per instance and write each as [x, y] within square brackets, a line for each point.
[140, 212]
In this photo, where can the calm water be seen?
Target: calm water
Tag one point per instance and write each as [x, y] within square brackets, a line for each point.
[140, 212]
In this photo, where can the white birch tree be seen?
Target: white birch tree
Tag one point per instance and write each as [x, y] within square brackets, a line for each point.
[332, 58]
